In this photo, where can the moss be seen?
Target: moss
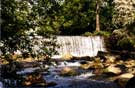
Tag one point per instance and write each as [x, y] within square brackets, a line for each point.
[87, 34]
[100, 33]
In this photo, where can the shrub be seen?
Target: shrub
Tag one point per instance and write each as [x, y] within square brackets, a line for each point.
[102, 33]
[87, 34]
[121, 40]
[126, 43]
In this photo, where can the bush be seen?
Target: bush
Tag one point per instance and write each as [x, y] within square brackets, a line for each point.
[100, 33]
[126, 43]
[87, 34]
[121, 40]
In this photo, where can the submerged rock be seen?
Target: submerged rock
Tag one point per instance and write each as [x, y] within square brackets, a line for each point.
[34, 79]
[67, 71]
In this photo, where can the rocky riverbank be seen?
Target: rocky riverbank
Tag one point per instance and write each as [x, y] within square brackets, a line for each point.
[105, 70]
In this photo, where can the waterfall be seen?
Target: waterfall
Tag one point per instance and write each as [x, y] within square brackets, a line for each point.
[80, 45]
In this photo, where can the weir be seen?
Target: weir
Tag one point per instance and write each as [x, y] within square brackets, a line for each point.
[80, 45]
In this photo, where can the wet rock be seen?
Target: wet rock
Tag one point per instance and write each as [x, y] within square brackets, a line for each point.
[102, 54]
[85, 66]
[131, 70]
[98, 65]
[83, 62]
[126, 75]
[122, 67]
[67, 56]
[98, 71]
[123, 79]
[50, 84]
[92, 65]
[130, 83]
[112, 69]
[110, 59]
[34, 79]
[130, 63]
[97, 60]
[82, 58]
[67, 71]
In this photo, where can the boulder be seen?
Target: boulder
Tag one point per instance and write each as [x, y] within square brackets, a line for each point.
[130, 63]
[85, 66]
[126, 75]
[112, 69]
[123, 79]
[131, 70]
[110, 59]
[92, 65]
[67, 71]
[98, 71]
[130, 83]
[97, 60]
[34, 79]
[67, 56]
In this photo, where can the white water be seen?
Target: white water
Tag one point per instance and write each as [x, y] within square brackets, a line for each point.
[80, 45]
[69, 64]
[78, 81]
[1, 85]
[75, 45]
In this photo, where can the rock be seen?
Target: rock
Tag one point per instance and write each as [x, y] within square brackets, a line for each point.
[83, 62]
[123, 79]
[102, 54]
[92, 65]
[98, 71]
[120, 62]
[98, 65]
[67, 71]
[34, 79]
[130, 63]
[50, 84]
[67, 56]
[86, 58]
[112, 70]
[126, 75]
[130, 83]
[29, 59]
[132, 70]
[85, 66]
[97, 60]
[122, 67]
[110, 59]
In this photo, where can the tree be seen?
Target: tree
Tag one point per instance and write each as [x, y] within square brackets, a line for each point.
[21, 19]
[97, 16]
[124, 12]
[21, 22]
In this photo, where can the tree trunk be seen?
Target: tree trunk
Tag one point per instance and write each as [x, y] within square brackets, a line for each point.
[97, 17]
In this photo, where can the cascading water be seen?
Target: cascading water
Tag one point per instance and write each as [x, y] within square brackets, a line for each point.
[80, 45]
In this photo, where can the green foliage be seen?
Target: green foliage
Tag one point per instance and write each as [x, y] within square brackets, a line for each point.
[22, 22]
[100, 33]
[124, 12]
[120, 39]
[87, 34]
[126, 43]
